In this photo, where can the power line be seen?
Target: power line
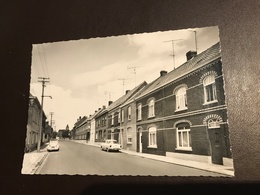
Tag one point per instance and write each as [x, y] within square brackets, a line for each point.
[173, 55]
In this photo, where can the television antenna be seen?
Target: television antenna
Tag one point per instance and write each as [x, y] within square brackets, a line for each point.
[173, 55]
[134, 69]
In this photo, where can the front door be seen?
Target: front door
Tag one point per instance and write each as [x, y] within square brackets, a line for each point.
[140, 142]
[216, 152]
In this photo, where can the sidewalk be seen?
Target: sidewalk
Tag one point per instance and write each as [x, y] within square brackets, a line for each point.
[32, 160]
[222, 169]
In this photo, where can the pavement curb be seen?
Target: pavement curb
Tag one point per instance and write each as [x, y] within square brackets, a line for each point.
[39, 163]
[225, 173]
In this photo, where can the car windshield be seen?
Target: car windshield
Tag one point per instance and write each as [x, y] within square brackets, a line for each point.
[54, 141]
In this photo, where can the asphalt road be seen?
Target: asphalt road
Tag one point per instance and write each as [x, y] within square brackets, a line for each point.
[75, 158]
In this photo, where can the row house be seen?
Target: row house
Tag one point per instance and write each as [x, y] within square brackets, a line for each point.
[101, 125]
[93, 123]
[34, 124]
[184, 111]
[117, 119]
[82, 128]
[128, 121]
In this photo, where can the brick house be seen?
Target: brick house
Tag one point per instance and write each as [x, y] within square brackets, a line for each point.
[128, 122]
[101, 125]
[93, 124]
[184, 111]
[116, 116]
[81, 128]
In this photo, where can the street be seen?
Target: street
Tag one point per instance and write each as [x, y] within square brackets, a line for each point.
[75, 158]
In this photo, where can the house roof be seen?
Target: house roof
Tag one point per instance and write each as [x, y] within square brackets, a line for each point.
[97, 113]
[125, 97]
[204, 58]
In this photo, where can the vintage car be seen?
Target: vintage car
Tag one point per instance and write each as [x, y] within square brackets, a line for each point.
[53, 145]
[110, 145]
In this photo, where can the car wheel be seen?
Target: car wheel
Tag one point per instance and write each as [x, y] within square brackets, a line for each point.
[107, 149]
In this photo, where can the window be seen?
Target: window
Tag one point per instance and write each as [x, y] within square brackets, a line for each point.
[183, 136]
[119, 120]
[112, 121]
[129, 113]
[139, 112]
[129, 135]
[210, 93]
[213, 123]
[122, 112]
[181, 99]
[151, 108]
[152, 137]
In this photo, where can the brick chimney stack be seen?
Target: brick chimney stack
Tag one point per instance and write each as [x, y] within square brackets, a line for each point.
[190, 55]
[163, 72]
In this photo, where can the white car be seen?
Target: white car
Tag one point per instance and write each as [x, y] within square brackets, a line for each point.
[110, 145]
[53, 145]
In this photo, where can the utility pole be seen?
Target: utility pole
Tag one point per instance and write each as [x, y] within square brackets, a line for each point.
[173, 55]
[195, 35]
[134, 68]
[43, 80]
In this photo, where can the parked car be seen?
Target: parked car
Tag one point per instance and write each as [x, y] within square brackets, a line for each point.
[110, 145]
[53, 145]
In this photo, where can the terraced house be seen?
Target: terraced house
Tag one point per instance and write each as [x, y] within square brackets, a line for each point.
[118, 117]
[184, 111]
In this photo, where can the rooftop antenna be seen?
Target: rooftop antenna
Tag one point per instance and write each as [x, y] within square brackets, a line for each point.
[134, 68]
[195, 35]
[109, 95]
[173, 55]
[123, 83]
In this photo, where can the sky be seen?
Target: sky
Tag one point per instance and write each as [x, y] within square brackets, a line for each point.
[85, 74]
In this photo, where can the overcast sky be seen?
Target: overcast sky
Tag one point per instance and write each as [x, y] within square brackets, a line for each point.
[86, 74]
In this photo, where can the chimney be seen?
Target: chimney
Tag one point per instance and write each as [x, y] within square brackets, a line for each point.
[99, 108]
[127, 91]
[190, 55]
[95, 111]
[89, 115]
[110, 102]
[104, 107]
[163, 72]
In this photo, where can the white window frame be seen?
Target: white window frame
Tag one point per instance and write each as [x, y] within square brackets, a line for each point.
[151, 110]
[129, 113]
[129, 135]
[112, 119]
[122, 117]
[181, 98]
[152, 137]
[119, 116]
[139, 112]
[209, 82]
[213, 123]
[180, 144]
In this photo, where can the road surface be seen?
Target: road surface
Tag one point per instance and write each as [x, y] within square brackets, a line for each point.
[75, 158]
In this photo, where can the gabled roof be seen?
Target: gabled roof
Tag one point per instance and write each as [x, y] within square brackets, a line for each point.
[125, 97]
[79, 122]
[204, 58]
[96, 113]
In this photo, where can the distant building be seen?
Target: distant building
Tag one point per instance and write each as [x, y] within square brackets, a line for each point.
[64, 133]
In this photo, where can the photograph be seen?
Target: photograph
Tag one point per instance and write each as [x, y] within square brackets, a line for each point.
[148, 104]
